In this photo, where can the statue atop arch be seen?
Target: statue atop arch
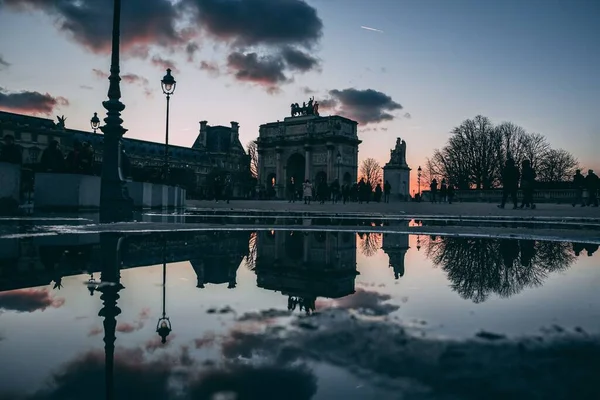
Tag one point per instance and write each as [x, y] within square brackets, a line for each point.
[312, 108]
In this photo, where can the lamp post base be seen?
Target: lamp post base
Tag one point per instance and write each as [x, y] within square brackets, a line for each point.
[116, 209]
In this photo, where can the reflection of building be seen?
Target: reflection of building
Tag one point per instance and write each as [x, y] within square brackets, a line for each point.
[219, 262]
[307, 265]
[395, 245]
[307, 147]
[397, 172]
[217, 148]
[36, 261]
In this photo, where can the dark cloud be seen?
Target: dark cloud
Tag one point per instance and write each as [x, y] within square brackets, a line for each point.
[191, 50]
[307, 90]
[327, 104]
[89, 22]
[132, 79]
[364, 301]
[28, 300]
[259, 22]
[30, 102]
[3, 63]
[298, 60]
[365, 106]
[250, 67]
[256, 382]
[164, 63]
[210, 67]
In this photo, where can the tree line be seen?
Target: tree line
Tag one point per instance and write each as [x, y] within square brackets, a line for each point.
[477, 150]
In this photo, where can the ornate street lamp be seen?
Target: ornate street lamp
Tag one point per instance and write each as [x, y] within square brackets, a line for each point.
[338, 158]
[168, 87]
[419, 171]
[163, 327]
[95, 122]
[115, 203]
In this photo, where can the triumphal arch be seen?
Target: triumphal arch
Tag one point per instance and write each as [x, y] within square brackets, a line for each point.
[307, 145]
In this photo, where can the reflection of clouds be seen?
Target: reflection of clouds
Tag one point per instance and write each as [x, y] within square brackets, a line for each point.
[29, 300]
[207, 340]
[364, 301]
[479, 267]
[155, 343]
[425, 368]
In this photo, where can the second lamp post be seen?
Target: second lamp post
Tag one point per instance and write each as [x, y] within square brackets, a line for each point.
[168, 87]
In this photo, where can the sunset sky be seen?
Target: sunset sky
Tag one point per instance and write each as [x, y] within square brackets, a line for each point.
[422, 67]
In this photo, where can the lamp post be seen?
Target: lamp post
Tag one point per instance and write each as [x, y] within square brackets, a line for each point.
[168, 87]
[163, 327]
[338, 158]
[95, 122]
[419, 171]
[115, 203]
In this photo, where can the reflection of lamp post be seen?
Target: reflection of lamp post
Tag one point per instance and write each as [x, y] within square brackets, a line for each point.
[338, 158]
[95, 122]
[168, 87]
[418, 242]
[115, 203]
[163, 327]
[419, 171]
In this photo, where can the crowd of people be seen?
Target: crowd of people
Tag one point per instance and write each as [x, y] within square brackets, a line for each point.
[443, 194]
[361, 192]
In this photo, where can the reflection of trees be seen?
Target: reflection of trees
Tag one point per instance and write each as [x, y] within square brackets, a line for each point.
[370, 242]
[478, 267]
[250, 260]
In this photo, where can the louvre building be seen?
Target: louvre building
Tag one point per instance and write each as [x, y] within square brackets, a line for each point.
[216, 151]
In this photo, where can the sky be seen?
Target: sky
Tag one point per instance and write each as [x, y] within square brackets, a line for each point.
[422, 68]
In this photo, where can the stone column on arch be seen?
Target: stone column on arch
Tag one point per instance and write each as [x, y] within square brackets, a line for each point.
[330, 175]
[260, 166]
[279, 178]
[307, 163]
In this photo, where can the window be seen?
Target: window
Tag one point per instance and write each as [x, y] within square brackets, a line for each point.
[33, 154]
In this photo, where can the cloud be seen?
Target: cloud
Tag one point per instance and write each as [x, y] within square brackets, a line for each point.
[89, 23]
[3, 63]
[298, 60]
[307, 90]
[365, 106]
[164, 63]
[363, 301]
[86, 87]
[30, 102]
[132, 79]
[210, 67]
[259, 22]
[407, 116]
[28, 300]
[262, 70]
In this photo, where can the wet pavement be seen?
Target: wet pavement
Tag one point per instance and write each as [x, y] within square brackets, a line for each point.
[294, 311]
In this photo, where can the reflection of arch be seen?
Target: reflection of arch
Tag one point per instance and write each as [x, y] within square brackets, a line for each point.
[294, 245]
[347, 178]
[346, 237]
[295, 169]
[321, 177]
[320, 237]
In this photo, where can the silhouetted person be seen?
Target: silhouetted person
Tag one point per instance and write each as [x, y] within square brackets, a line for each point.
[307, 191]
[10, 152]
[322, 191]
[291, 191]
[217, 188]
[591, 184]
[443, 191]
[335, 191]
[378, 193]
[433, 190]
[52, 158]
[387, 188]
[345, 192]
[528, 176]
[510, 183]
[579, 185]
[228, 189]
[450, 193]
[73, 161]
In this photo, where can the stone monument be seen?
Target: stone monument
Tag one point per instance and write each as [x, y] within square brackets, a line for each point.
[304, 146]
[397, 172]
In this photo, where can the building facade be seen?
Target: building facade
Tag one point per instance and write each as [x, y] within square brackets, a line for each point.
[397, 172]
[216, 151]
[307, 147]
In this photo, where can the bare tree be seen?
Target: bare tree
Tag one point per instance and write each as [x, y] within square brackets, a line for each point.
[252, 149]
[371, 172]
[557, 166]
